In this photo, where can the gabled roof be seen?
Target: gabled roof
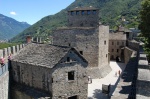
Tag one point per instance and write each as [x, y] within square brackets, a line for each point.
[41, 54]
[84, 8]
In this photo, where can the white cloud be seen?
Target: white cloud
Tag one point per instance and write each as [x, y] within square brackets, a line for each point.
[13, 13]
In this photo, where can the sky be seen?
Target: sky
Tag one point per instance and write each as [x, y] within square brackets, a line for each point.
[31, 11]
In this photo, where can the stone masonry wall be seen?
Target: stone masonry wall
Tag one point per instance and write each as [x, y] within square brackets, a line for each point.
[33, 76]
[84, 40]
[64, 88]
[103, 45]
[115, 48]
[83, 20]
[133, 45]
[127, 54]
[4, 85]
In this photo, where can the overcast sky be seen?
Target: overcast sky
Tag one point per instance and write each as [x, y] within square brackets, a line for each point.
[31, 11]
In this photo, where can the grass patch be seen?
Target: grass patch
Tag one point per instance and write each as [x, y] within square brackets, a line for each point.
[5, 45]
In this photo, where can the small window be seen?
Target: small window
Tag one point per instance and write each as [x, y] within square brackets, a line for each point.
[52, 80]
[72, 13]
[82, 12]
[112, 43]
[69, 44]
[112, 50]
[117, 43]
[88, 12]
[68, 59]
[81, 52]
[123, 43]
[77, 12]
[94, 11]
[117, 50]
[106, 55]
[105, 42]
[71, 75]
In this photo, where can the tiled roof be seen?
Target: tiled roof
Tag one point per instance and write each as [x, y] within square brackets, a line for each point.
[41, 55]
[117, 36]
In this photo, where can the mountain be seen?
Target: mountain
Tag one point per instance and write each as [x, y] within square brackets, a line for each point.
[112, 12]
[10, 27]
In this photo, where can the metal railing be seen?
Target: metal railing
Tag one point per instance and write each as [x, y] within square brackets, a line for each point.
[3, 69]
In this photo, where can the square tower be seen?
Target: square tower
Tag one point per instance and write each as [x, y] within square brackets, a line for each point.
[83, 17]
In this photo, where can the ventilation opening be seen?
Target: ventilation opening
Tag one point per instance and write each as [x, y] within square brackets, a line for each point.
[105, 42]
[68, 59]
[73, 97]
[81, 52]
[71, 76]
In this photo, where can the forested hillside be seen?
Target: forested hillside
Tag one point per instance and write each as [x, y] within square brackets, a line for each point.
[112, 12]
[10, 27]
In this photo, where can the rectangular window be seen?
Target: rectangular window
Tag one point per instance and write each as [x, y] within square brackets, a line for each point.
[117, 50]
[94, 11]
[71, 75]
[123, 43]
[77, 12]
[117, 43]
[68, 59]
[82, 12]
[112, 50]
[88, 12]
[72, 13]
[112, 43]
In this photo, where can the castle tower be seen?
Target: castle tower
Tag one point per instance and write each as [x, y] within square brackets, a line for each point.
[83, 17]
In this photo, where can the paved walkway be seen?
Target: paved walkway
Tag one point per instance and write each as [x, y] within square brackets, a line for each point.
[95, 89]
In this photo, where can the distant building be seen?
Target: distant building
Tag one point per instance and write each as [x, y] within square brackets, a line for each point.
[49, 72]
[117, 42]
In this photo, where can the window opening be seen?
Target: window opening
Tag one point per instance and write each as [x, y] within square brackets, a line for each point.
[71, 75]
[81, 52]
[68, 59]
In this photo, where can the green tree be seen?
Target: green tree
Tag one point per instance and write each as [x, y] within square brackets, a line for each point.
[145, 24]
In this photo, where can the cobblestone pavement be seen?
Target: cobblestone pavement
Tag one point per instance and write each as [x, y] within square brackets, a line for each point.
[95, 88]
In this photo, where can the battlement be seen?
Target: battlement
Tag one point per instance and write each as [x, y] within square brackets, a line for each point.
[83, 17]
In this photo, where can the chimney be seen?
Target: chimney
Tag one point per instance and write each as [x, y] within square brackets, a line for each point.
[28, 39]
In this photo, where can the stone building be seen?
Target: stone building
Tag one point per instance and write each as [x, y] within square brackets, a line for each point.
[91, 39]
[45, 71]
[117, 42]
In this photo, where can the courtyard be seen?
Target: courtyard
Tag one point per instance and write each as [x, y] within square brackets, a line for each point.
[95, 88]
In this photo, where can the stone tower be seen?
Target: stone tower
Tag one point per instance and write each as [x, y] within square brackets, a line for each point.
[88, 37]
[83, 17]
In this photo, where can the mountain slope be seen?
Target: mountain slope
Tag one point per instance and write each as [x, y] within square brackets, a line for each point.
[10, 27]
[111, 13]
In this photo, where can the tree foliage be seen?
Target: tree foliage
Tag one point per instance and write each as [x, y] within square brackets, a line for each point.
[145, 24]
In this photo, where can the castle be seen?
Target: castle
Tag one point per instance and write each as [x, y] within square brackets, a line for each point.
[90, 38]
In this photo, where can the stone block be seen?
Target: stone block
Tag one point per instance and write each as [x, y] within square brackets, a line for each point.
[1, 53]
[13, 50]
[9, 50]
[5, 53]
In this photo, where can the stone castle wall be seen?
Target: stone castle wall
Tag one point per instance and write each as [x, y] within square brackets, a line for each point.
[87, 19]
[4, 73]
[10, 50]
[32, 76]
[103, 45]
[84, 40]
[133, 45]
[4, 85]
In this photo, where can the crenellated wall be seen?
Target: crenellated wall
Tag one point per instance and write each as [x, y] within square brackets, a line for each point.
[4, 72]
